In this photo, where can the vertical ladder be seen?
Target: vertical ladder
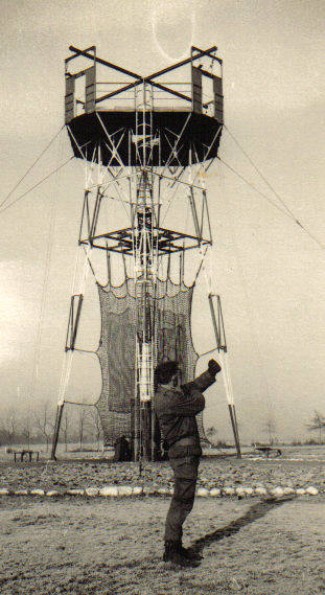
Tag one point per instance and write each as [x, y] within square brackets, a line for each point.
[145, 274]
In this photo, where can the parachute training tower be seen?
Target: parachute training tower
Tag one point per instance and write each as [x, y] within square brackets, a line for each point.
[147, 143]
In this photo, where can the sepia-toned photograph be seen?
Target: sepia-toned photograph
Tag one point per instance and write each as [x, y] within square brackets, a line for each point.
[162, 316]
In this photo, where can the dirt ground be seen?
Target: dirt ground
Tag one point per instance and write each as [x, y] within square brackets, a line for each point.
[87, 546]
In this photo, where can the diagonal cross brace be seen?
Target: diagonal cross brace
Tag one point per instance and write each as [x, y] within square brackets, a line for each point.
[140, 79]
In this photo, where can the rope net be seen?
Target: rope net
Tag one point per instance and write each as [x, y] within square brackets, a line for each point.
[170, 313]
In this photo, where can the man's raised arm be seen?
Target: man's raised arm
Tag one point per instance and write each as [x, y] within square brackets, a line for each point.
[204, 380]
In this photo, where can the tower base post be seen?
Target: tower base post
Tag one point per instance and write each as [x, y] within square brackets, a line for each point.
[56, 432]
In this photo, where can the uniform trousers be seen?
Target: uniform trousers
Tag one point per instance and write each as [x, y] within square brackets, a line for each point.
[185, 469]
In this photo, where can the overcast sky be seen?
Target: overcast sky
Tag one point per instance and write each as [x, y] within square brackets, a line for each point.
[269, 273]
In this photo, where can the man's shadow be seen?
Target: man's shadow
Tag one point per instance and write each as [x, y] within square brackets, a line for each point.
[256, 512]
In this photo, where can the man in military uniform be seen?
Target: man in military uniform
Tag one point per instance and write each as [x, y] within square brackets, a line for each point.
[176, 407]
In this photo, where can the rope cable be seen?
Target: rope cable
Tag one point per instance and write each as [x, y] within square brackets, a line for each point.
[90, 263]
[88, 176]
[241, 177]
[285, 210]
[221, 355]
[2, 210]
[48, 256]
[169, 201]
[67, 363]
[87, 266]
[260, 174]
[254, 334]
[31, 167]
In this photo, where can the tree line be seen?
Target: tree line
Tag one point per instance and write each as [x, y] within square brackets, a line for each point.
[316, 425]
[80, 425]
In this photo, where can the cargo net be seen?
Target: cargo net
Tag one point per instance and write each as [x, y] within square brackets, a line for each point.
[117, 347]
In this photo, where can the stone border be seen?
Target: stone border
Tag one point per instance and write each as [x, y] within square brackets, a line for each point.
[115, 491]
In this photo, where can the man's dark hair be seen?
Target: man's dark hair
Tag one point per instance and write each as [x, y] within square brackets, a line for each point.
[165, 371]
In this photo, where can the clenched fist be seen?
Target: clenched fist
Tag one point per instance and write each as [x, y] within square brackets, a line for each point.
[214, 367]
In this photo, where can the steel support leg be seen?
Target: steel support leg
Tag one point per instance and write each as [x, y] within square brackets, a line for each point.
[56, 432]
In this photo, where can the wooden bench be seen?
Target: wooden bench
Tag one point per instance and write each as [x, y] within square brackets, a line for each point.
[28, 453]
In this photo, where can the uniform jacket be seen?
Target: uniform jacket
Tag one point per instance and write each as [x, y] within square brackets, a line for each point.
[176, 409]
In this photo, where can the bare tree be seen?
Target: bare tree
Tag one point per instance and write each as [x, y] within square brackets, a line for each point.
[317, 423]
[9, 427]
[26, 431]
[44, 423]
[270, 428]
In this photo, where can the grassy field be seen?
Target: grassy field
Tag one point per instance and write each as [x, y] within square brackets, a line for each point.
[84, 545]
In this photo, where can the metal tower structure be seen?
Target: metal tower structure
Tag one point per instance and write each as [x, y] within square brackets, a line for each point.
[142, 138]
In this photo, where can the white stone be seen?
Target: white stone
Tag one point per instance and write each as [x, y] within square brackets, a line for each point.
[109, 491]
[312, 491]
[228, 491]
[137, 490]
[150, 490]
[215, 492]
[300, 491]
[75, 492]
[37, 492]
[92, 492]
[240, 492]
[163, 491]
[21, 492]
[202, 492]
[4, 492]
[53, 493]
[260, 491]
[287, 491]
[125, 491]
[248, 491]
[277, 492]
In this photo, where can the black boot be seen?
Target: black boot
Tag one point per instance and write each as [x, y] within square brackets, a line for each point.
[175, 553]
[188, 553]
